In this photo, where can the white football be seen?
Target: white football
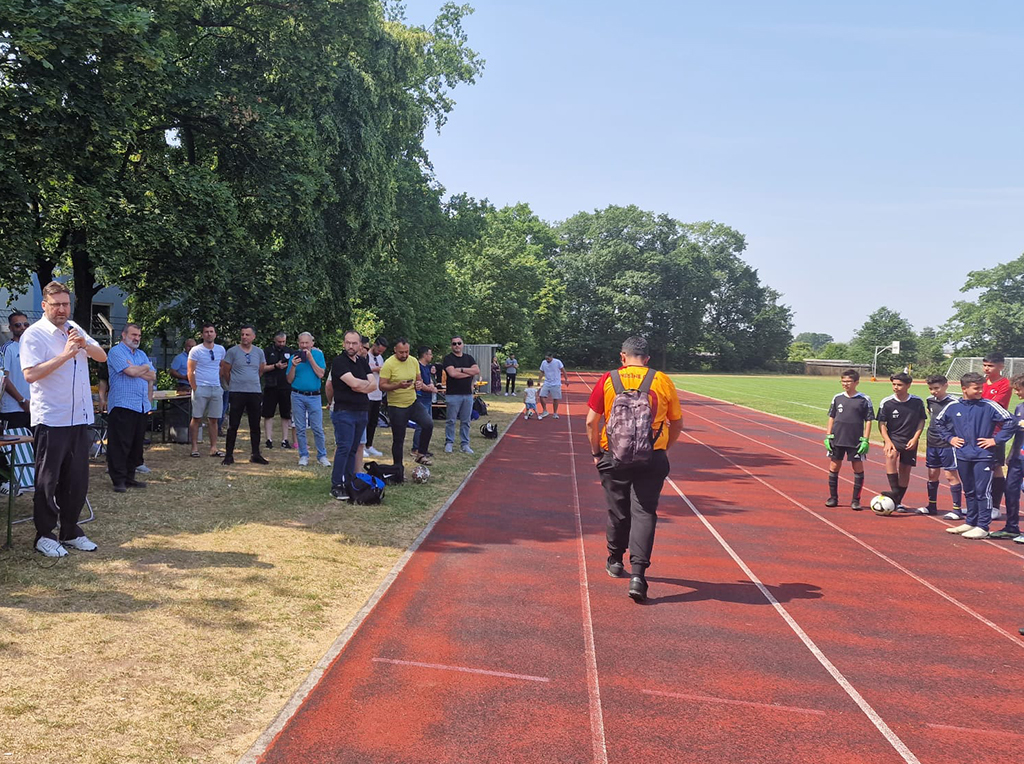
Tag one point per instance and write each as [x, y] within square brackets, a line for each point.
[883, 505]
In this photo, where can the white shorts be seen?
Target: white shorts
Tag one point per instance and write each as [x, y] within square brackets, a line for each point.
[551, 391]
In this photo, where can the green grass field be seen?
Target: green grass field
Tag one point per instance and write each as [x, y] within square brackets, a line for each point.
[805, 399]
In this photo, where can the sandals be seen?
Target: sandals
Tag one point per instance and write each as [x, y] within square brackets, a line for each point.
[195, 454]
[217, 454]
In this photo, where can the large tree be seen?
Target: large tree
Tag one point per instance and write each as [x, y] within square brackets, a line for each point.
[994, 320]
[882, 328]
[817, 340]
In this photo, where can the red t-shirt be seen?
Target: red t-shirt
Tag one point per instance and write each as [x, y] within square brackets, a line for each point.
[998, 391]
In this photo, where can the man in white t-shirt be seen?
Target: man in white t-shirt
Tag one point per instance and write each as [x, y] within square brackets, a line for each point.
[55, 355]
[553, 377]
[207, 393]
[376, 360]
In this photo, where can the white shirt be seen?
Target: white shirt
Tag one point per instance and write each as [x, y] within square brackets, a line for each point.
[375, 360]
[552, 372]
[207, 367]
[63, 398]
[12, 366]
[531, 395]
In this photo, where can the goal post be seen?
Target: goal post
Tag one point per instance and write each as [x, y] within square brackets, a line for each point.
[962, 365]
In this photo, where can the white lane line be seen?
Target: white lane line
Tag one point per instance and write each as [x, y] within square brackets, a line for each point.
[819, 468]
[894, 739]
[730, 702]
[593, 683]
[881, 555]
[463, 669]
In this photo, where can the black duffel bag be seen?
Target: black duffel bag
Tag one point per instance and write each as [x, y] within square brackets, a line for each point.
[391, 474]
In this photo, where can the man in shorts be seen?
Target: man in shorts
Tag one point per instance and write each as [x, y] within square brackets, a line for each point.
[207, 394]
[901, 420]
[849, 427]
[553, 373]
[939, 455]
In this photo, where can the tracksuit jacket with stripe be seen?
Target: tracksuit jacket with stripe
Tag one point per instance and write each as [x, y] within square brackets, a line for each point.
[971, 420]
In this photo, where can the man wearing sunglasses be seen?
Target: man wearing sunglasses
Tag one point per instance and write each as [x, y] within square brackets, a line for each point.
[207, 394]
[460, 368]
[242, 367]
[14, 407]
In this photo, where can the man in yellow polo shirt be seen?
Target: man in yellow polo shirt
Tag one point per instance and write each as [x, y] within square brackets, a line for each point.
[633, 469]
[400, 379]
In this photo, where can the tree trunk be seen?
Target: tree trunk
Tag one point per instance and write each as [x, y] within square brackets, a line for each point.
[85, 279]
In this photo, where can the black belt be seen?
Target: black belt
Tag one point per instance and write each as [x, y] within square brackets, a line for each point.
[306, 392]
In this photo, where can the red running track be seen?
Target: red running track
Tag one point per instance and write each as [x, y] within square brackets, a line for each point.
[777, 630]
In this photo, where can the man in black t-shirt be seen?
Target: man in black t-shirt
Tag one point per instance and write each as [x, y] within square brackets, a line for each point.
[347, 390]
[461, 369]
[901, 418]
[277, 393]
[849, 427]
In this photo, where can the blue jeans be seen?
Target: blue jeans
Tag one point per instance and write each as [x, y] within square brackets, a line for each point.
[459, 407]
[307, 411]
[428, 405]
[349, 427]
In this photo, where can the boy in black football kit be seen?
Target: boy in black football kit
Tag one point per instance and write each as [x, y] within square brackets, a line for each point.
[939, 454]
[849, 427]
[901, 418]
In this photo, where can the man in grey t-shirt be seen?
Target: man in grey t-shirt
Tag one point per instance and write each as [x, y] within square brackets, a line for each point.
[242, 367]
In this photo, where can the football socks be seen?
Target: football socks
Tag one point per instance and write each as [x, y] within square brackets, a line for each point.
[858, 484]
[833, 484]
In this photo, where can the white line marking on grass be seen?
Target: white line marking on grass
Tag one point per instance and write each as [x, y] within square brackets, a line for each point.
[270, 734]
[819, 468]
[881, 555]
[894, 740]
[593, 682]
[730, 702]
[463, 670]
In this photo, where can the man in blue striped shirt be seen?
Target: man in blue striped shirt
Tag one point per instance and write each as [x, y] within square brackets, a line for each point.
[129, 405]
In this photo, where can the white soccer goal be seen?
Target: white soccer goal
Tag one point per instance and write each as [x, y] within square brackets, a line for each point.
[960, 366]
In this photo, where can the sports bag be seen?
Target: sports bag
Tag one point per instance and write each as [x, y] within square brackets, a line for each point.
[366, 489]
[489, 430]
[391, 474]
[630, 421]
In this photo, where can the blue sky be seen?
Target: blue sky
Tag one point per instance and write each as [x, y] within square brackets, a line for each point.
[870, 152]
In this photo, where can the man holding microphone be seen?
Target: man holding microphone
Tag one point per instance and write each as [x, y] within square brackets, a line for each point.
[54, 359]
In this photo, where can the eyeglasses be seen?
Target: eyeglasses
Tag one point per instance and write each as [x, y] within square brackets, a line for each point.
[20, 324]
[58, 304]
[456, 344]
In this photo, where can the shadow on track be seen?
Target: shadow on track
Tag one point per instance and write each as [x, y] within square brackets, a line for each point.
[741, 592]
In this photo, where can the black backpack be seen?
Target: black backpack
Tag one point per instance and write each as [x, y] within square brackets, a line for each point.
[629, 423]
[489, 430]
[366, 489]
[391, 474]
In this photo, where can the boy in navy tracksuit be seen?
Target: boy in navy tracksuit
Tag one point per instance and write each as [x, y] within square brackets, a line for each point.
[968, 425]
[1014, 471]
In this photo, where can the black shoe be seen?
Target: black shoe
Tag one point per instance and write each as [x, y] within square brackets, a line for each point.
[285, 444]
[614, 568]
[120, 488]
[856, 506]
[339, 493]
[258, 459]
[228, 460]
[270, 444]
[135, 483]
[637, 589]
[831, 501]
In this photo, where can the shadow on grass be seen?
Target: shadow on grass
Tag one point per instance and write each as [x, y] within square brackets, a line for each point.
[187, 559]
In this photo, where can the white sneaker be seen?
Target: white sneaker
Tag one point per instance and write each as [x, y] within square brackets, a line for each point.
[303, 461]
[975, 533]
[996, 513]
[374, 452]
[5, 488]
[367, 454]
[82, 544]
[51, 548]
[960, 529]
[323, 461]
[143, 469]
[556, 416]
[542, 415]
[953, 516]
[467, 450]
[447, 448]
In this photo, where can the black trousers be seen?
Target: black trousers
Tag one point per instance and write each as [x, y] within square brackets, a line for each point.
[126, 431]
[510, 383]
[400, 422]
[244, 403]
[633, 493]
[62, 479]
[371, 422]
[10, 421]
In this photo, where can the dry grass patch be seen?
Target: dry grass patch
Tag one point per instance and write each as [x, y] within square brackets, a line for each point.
[212, 595]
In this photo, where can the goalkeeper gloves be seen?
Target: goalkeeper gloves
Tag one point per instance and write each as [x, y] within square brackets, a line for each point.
[828, 442]
[863, 446]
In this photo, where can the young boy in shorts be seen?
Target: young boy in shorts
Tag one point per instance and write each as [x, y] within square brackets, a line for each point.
[975, 427]
[901, 419]
[939, 454]
[530, 401]
[997, 388]
[849, 427]
[1014, 471]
